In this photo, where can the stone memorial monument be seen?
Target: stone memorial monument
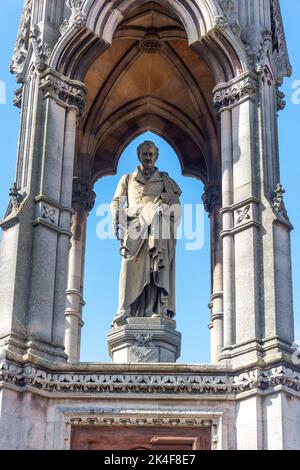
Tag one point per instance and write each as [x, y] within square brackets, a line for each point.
[146, 212]
[94, 75]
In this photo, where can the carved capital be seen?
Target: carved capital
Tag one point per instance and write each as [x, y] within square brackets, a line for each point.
[212, 197]
[83, 194]
[121, 382]
[231, 93]
[70, 93]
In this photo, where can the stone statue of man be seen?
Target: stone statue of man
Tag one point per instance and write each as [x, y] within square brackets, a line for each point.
[146, 212]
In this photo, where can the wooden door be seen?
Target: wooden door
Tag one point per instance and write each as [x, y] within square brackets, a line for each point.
[140, 438]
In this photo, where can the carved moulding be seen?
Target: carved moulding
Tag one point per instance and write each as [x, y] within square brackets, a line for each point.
[121, 383]
[232, 93]
[66, 92]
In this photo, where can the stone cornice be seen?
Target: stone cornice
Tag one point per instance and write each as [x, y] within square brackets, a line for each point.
[51, 226]
[232, 93]
[69, 93]
[188, 383]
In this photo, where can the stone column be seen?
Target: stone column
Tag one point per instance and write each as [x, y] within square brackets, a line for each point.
[278, 322]
[83, 203]
[212, 199]
[35, 246]
[227, 238]
[241, 211]
[258, 317]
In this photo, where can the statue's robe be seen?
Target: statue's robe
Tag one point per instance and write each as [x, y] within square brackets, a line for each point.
[147, 279]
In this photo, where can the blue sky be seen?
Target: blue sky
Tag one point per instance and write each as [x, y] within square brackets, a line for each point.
[193, 268]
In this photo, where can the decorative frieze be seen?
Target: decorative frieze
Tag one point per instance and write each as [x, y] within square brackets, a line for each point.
[110, 418]
[231, 93]
[66, 92]
[179, 383]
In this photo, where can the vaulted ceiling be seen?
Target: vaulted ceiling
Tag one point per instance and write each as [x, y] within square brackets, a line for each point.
[149, 79]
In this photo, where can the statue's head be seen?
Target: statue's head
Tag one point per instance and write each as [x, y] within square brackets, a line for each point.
[148, 154]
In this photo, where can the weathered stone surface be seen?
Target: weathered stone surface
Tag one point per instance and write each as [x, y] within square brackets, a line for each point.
[146, 66]
[146, 340]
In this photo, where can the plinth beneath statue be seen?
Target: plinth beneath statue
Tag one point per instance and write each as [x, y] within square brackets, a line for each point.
[145, 340]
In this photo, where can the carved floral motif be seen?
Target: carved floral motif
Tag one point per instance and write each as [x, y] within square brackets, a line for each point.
[243, 214]
[212, 197]
[67, 92]
[144, 383]
[49, 214]
[247, 86]
[77, 18]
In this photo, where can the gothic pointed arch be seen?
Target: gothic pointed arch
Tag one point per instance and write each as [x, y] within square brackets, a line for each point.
[92, 26]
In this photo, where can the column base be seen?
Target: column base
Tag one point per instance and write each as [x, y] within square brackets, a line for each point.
[145, 340]
[23, 349]
[257, 353]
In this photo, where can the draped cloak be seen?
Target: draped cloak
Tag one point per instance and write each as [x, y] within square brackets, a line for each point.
[147, 279]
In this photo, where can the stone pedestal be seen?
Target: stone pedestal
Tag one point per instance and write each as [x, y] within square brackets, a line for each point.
[143, 340]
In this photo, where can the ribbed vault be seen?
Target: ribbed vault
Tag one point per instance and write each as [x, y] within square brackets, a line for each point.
[149, 79]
